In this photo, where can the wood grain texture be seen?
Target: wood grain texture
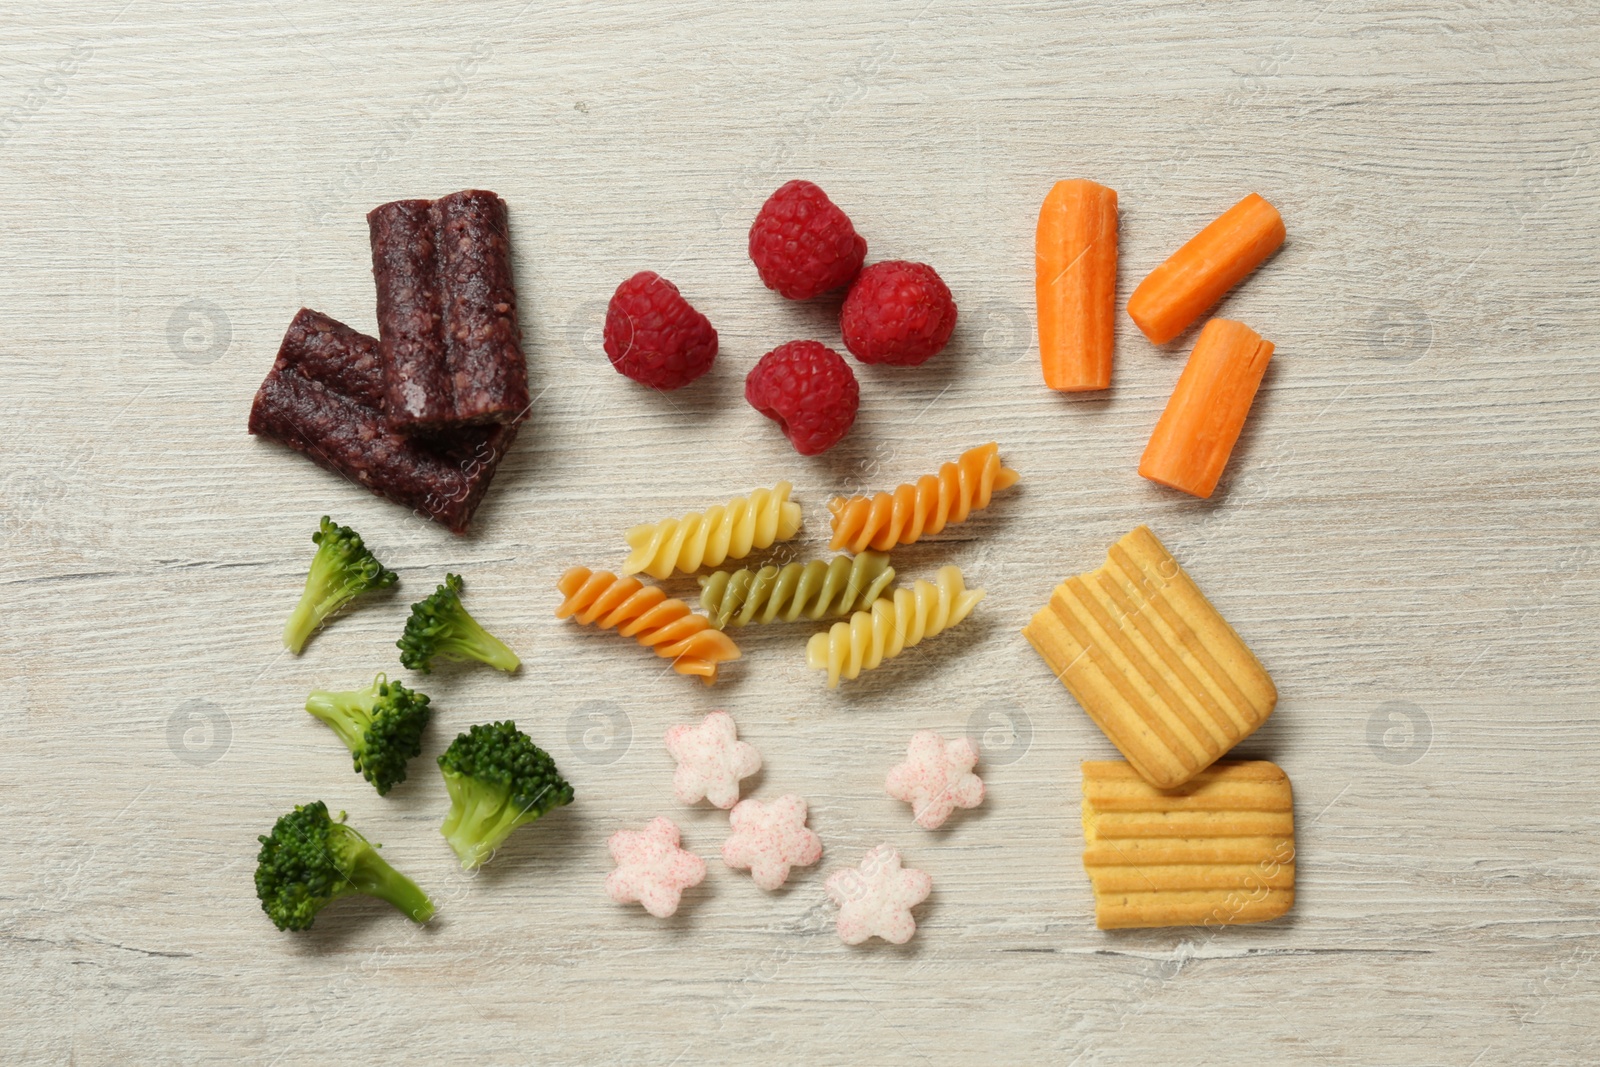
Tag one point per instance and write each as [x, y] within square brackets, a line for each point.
[1405, 535]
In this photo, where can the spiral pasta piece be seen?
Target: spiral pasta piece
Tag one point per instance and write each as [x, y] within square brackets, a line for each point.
[794, 591]
[891, 626]
[707, 538]
[925, 506]
[646, 614]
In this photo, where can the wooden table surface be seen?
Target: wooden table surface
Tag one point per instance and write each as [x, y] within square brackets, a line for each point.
[1405, 535]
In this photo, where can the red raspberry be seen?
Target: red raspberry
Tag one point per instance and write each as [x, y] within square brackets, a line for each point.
[807, 389]
[898, 313]
[654, 336]
[802, 244]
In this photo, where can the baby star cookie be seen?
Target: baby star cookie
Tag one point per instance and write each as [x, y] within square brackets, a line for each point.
[768, 839]
[876, 898]
[711, 760]
[936, 778]
[651, 868]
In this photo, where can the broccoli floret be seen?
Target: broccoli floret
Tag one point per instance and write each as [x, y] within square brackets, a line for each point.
[342, 569]
[440, 627]
[498, 780]
[381, 725]
[309, 860]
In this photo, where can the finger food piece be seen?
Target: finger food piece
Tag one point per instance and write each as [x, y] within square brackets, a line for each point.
[1152, 662]
[1196, 276]
[447, 313]
[711, 760]
[875, 898]
[768, 840]
[324, 398]
[1075, 267]
[651, 869]
[1216, 852]
[1196, 433]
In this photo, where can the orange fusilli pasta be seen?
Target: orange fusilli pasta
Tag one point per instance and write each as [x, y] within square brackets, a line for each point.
[926, 506]
[648, 615]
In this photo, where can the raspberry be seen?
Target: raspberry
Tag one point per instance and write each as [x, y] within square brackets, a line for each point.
[802, 244]
[898, 313]
[807, 389]
[653, 335]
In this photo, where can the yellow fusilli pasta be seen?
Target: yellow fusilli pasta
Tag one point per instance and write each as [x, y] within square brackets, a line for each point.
[891, 625]
[727, 531]
[646, 614]
[797, 590]
[925, 506]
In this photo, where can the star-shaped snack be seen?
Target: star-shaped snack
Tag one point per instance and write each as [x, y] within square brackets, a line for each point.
[936, 778]
[876, 898]
[651, 868]
[711, 760]
[768, 839]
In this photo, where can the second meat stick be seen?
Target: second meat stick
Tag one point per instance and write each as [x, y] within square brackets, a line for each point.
[447, 313]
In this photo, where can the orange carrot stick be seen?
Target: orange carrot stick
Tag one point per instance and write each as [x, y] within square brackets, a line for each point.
[1075, 259]
[1197, 431]
[1216, 259]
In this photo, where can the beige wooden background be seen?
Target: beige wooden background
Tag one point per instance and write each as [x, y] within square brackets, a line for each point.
[1406, 536]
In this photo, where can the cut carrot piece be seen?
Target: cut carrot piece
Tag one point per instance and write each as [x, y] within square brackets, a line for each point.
[1197, 431]
[1075, 257]
[1216, 259]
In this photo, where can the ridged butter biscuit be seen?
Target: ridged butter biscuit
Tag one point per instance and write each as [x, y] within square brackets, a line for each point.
[1152, 662]
[1215, 852]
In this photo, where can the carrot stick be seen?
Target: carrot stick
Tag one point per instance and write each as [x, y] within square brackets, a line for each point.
[1216, 259]
[1197, 431]
[1075, 259]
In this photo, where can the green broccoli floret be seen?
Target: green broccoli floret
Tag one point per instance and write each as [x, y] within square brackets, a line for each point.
[381, 725]
[309, 860]
[440, 627]
[498, 780]
[341, 570]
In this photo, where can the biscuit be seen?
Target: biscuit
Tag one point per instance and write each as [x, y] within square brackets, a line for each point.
[1152, 662]
[1217, 852]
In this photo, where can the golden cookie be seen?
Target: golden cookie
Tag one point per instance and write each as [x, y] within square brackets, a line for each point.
[1216, 852]
[1152, 662]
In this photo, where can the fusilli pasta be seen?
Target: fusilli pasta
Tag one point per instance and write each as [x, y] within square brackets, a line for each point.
[891, 625]
[797, 590]
[727, 531]
[925, 506]
[646, 614]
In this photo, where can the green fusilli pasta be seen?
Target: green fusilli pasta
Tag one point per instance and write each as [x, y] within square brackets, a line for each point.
[795, 591]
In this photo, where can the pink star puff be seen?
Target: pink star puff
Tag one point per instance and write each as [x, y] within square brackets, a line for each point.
[651, 868]
[876, 898]
[936, 778]
[711, 760]
[768, 839]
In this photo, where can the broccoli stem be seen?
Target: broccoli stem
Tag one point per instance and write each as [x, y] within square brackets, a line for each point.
[480, 820]
[474, 641]
[326, 592]
[304, 620]
[349, 720]
[370, 874]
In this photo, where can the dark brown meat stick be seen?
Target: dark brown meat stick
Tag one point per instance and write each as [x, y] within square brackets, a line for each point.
[416, 366]
[323, 398]
[447, 313]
